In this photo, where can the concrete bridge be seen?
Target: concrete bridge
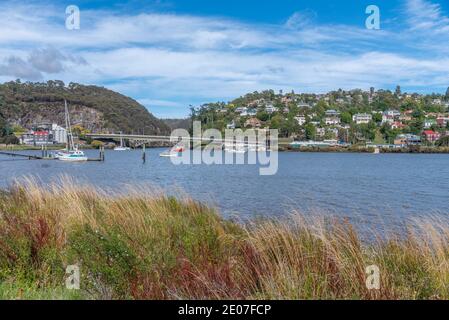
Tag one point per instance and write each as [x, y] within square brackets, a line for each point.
[142, 139]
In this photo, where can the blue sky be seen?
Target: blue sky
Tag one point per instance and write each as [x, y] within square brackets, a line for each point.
[172, 54]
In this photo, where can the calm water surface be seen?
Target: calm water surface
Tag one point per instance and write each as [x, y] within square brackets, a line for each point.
[358, 186]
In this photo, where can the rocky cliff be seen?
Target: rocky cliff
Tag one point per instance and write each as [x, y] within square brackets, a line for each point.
[95, 108]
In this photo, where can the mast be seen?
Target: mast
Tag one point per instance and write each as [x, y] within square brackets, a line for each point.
[66, 125]
[71, 144]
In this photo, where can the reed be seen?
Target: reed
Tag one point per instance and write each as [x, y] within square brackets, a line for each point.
[142, 244]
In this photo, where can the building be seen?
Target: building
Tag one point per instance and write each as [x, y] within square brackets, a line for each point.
[442, 121]
[37, 138]
[333, 120]
[390, 116]
[301, 120]
[332, 113]
[59, 134]
[303, 105]
[253, 123]
[320, 132]
[392, 113]
[231, 125]
[431, 135]
[270, 109]
[360, 118]
[397, 125]
[407, 139]
[241, 109]
[428, 123]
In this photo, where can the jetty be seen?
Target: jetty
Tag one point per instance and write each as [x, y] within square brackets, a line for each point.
[29, 156]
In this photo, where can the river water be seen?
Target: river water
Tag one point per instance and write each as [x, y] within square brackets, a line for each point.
[359, 186]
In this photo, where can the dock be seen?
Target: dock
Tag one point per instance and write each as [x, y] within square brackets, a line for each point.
[30, 157]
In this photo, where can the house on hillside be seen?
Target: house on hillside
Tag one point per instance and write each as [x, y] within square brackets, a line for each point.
[270, 108]
[403, 140]
[428, 123]
[397, 125]
[301, 120]
[360, 118]
[431, 135]
[253, 123]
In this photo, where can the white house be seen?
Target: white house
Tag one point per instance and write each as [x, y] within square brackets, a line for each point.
[270, 108]
[301, 120]
[231, 125]
[360, 118]
[241, 109]
[333, 120]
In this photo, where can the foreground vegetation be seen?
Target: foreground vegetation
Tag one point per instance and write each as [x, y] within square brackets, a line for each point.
[144, 245]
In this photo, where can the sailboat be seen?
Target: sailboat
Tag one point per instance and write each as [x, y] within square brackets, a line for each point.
[71, 152]
[122, 146]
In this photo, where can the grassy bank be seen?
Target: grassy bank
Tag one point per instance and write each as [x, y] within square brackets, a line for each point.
[148, 246]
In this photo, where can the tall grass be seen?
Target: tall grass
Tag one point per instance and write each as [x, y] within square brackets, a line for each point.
[144, 245]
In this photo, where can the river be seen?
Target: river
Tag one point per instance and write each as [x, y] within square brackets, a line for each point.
[360, 186]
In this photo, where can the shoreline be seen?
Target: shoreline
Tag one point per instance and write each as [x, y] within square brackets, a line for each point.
[415, 150]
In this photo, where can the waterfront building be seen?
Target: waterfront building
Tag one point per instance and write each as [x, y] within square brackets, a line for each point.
[407, 139]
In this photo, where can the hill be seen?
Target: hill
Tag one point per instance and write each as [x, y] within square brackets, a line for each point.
[178, 123]
[95, 108]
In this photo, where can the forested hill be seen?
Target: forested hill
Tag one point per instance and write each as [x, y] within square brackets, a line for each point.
[95, 108]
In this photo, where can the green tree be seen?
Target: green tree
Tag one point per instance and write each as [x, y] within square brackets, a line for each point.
[346, 117]
[310, 131]
[443, 142]
[96, 144]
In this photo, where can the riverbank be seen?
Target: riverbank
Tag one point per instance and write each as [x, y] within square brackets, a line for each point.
[144, 245]
[358, 149]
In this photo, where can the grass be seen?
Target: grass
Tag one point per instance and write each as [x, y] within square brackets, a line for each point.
[144, 245]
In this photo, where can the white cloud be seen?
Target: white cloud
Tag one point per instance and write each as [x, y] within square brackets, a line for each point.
[426, 15]
[171, 61]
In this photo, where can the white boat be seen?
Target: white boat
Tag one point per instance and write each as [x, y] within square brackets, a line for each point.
[71, 152]
[122, 146]
[75, 155]
[258, 148]
[173, 152]
[168, 154]
[235, 148]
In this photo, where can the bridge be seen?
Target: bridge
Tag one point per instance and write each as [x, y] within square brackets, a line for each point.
[143, 139]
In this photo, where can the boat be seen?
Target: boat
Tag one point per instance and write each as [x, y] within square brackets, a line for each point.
[257, 148]
[173, 152]
[239, 148]
[75, 155]
[71, 153]
[168, 154]
[122, 146]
